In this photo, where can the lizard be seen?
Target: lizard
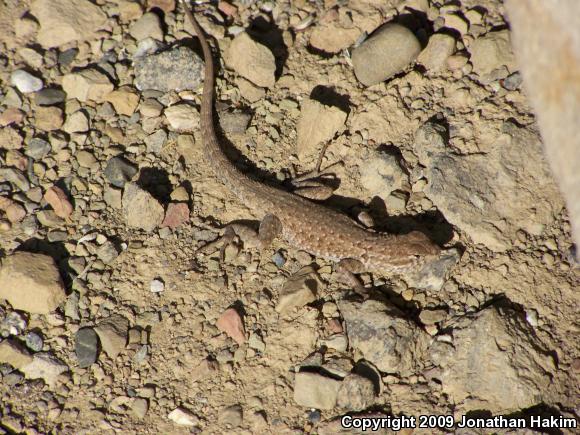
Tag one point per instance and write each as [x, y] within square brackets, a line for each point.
[304, 224]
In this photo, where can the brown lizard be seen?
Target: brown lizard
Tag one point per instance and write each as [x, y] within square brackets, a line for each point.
[307, 225]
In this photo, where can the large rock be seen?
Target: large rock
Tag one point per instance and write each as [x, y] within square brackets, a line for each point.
[384, 337]
[490, 196]
[141, 209]
[491, 52]
[318, 123]
[31, 282]
[494, 363]
[64, 21]
[546, 38]
[315, 391]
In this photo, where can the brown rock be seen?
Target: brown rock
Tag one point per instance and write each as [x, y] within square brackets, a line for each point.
[13, 353]
[141, 209]
[48, 118]
[58, 200]
[125, 100]
[15, 212]
[31, 282]
[64, 21]
[11, 115]
[231, 323]
[176, 215]
[85, 85]
[113, 333]
[318, 123]
[252, 60]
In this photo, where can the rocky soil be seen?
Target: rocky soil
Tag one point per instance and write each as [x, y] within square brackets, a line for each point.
[111, 320]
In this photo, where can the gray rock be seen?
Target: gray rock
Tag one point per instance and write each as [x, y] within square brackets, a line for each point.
[86, 347]
[119, 170]
[232, 416]
[49, 97]
[71, 307]
[390, 50]
[34, 341]
[44, 366]
[356, 393]
[384, 337]
[175, 70]
[156, 141]
[433, 274]
[57, 236]
[495, 363]
[107, 252]
[15, 177]
[315, 391]
[234, 122]
[300, 289]
[141, 209]
[493, 195]
[382, 174]
[37, 148]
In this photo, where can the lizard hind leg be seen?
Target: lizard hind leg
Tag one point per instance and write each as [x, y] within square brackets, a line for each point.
[317, 184]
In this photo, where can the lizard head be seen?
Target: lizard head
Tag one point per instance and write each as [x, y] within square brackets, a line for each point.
[396, 253]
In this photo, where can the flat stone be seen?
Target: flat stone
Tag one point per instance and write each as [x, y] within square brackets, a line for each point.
[77, 122]
[48, 218]
[318, 124]
[298, 290]
[252, 60]
[86, 159]
[87, 85]
[107, 252]
[148, 26]
[490, 52]
[31, 282]
[86, 347]
[113, 334]
[11, 115]
[10, 139]
[176, 215]
[119, 171]
[182, 117]
[382, 174]
[356, 393]
[177, 69]
[125, 100]
[232, 324]
[315, 391]
[15, 177]
[59, 202]
[64, 21]
[49, 97]
[390, 50]
[48, 118]
[13, 353]
[141, 209]
[139, 407]
[156, 141]
[46, 367]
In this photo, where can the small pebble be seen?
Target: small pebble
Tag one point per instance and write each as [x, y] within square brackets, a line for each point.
[278, 259]
[34, 341]
[25, 82]
[157, 286]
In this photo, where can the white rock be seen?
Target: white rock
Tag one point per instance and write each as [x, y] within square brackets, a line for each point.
[44, 366]
[25, 82]
[157, 286]
[183, 417]
[182, 117]
[315, 391]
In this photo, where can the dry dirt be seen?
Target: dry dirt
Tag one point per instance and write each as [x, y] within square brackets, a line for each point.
[504, 339]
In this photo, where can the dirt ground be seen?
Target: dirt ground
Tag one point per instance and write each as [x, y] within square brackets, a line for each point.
[192, 343]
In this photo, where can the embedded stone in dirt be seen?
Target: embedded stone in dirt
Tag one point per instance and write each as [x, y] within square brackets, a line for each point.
[64, 21]
[384, 337]
[176, 215]
[318, 123]
[356, 393]
[435, 55]
[113, 334]
[495, 363]
[46, 367]
[331, 38]
[148, 26]
[491, 52]
[232, 324]
[87, 85]
[76, 122]
[315, 391]
[390, 50]
[182, 117]
[119, 170]
[125, 100]
[141, 209]
[174, 70]
[252, 60]
[31, 282]
[86, 347]
[382, 174]
[13, 353]
[183, 417]
[300, 289]
[59, 202]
